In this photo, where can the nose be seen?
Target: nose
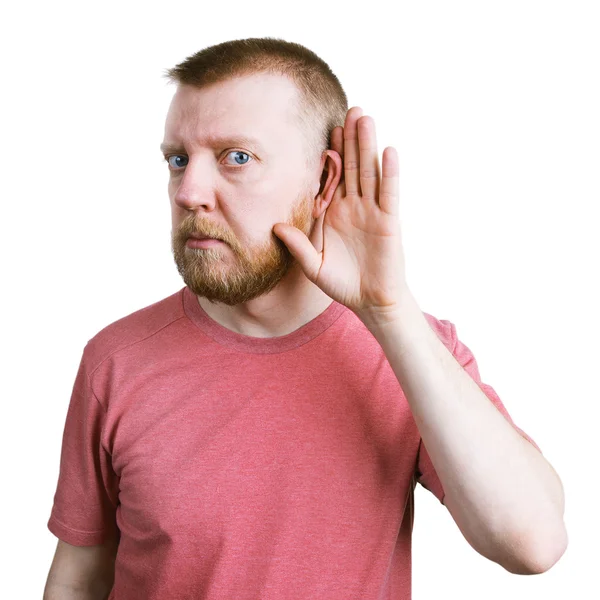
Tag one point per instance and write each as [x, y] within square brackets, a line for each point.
[195, 188]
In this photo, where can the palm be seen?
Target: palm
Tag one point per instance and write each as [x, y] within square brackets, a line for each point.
[356, 242]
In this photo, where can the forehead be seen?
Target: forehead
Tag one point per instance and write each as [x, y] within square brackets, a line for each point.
[256, 106]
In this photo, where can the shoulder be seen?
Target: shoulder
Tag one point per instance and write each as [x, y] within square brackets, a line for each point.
[133, 328]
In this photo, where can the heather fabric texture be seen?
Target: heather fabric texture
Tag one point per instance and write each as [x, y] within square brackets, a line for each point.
[239, 467]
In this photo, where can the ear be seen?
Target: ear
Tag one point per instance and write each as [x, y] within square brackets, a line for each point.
[331, 163]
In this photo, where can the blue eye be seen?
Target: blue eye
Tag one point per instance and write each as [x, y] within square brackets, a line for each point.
[176, 164]
[239, 152]
[168, 159]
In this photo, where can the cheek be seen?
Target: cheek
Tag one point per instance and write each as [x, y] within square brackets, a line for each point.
[172, 187]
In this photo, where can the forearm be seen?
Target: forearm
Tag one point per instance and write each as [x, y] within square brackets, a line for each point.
[57, 591]
[506, 498]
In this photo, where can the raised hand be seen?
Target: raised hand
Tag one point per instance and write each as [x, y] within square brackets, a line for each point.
[362, 261]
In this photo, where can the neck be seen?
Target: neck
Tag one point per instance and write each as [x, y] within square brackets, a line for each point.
[294, 302]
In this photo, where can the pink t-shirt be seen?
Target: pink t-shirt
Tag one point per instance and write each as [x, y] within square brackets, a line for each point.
[240, 467]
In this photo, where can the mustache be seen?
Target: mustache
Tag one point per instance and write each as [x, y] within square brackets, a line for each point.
[189, 229]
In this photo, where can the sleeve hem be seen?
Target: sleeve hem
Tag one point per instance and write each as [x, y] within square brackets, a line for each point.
[528, 438]
[73, 536]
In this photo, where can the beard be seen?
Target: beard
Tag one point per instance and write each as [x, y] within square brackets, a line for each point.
[231, 273]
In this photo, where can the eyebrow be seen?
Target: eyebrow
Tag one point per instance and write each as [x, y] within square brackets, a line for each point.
[237, 140]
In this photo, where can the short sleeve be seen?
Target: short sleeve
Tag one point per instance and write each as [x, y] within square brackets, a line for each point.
[425, 472]
[84, 508]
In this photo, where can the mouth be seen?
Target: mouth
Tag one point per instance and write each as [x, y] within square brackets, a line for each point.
[195, 236]
[195, 241]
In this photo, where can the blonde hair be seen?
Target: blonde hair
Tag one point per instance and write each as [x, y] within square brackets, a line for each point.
[322, 101]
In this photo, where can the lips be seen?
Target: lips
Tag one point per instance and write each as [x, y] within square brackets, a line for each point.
[195, 236]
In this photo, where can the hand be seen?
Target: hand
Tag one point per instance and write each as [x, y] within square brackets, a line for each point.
[362, 261]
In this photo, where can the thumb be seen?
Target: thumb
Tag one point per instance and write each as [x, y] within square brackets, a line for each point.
[301, 249]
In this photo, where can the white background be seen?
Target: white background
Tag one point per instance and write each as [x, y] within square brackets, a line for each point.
[493, 108]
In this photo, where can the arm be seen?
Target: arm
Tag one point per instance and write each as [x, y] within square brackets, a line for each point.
[82, 572]
[57, 591]
[505, 497]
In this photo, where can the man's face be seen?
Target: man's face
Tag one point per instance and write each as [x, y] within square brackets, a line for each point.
[236, 190]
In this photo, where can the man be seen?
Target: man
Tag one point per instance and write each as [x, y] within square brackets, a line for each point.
[259, 433]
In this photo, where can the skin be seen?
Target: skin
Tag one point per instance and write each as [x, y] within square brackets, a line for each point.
[251, 283]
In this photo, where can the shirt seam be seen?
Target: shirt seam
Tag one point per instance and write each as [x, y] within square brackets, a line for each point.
[133, 343]
[73, 528]
[234, 348]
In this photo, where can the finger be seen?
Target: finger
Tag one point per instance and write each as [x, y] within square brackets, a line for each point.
[337, 140]
[351, 166]
[301, 248]
[369, 161]
[389, 196]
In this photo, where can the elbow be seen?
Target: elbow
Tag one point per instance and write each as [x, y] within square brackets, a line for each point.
[551, 552]
[534, 558]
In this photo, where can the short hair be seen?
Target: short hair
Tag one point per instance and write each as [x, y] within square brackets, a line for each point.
[322, 101]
